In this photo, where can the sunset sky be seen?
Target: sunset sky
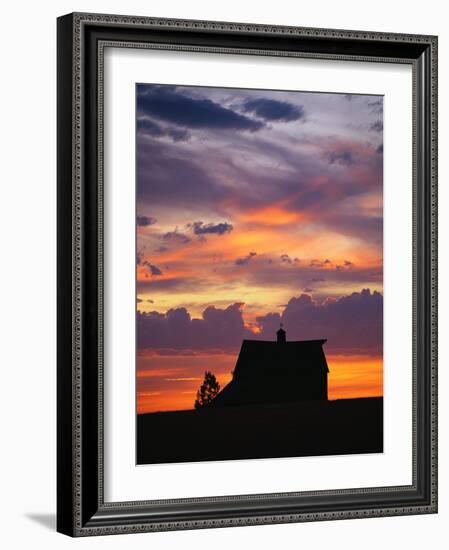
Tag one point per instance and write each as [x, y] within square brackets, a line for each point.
[256, 207]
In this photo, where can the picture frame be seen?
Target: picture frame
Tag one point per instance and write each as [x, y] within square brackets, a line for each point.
[81, 506]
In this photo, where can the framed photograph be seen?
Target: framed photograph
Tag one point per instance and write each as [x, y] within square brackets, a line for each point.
[247, 279]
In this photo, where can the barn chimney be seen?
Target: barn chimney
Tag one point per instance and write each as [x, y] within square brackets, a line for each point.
[282, 335]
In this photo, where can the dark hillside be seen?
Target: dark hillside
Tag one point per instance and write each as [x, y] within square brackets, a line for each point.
[345, 426]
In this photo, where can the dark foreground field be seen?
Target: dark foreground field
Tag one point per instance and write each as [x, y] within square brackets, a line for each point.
[312, 428]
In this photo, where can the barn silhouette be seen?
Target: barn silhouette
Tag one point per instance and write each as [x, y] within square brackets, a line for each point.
[276, 372]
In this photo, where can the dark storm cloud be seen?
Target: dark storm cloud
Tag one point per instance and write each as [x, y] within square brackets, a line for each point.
[377, 126]
[145, 126]
[144, 221]
[170, 105]
[351, 324]
[200, 228]
[273, 110]
[344, 158]
[246, 259]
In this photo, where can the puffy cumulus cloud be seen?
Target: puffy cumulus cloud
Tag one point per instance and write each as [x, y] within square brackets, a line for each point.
[273, 110]
[351, 324]
[144, 221]
[168, 104]
[217, 329]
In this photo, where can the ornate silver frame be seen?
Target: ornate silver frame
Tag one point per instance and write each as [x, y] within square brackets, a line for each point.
[81, 42]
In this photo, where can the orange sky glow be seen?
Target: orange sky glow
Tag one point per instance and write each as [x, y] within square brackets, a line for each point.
[349, 377]
[270, 211]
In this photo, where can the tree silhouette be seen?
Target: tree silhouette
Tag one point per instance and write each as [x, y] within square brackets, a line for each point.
[208, 390]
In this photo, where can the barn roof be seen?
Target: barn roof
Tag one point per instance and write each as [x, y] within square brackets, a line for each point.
[260, 354]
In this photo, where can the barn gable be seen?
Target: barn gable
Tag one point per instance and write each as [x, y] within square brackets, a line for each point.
[258, 355]
[279, 371]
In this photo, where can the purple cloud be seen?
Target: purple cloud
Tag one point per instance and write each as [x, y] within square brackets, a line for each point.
[217, 329]
[169, 104]
[377, 126]
[351, 324]
[144, 221]
[147, 127]
[376, 106]
[345, 158]
[176, 237]
[153, 269]
[200, 228]
[273, 110]
[245, 260]
[285, 259]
